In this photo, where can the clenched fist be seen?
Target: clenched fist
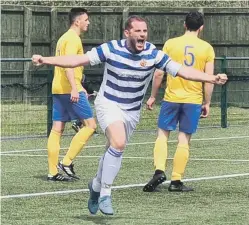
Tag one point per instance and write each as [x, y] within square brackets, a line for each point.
[150, 102]
[221, 79]
[37, 60]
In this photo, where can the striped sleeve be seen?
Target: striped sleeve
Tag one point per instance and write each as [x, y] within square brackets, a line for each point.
[99, 54]
[164, 62]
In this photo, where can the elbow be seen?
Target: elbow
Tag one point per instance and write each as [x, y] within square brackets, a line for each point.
[73, 65]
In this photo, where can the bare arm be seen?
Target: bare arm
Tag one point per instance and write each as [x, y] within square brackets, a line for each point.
[174, 68]
[69, 61]
[190, 73]
[157, 80]
[208, 88]
[70, 77]
[71, 80]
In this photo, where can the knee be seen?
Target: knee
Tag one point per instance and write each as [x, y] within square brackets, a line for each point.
[58, 129]
[118, 144]
[94, 126]
[183, 138]
[91, 123]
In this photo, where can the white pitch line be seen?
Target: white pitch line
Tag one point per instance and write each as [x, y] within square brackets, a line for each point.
[131, 144]
[132, 157]
[120, 187]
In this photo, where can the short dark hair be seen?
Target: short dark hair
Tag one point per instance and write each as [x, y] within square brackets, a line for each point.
[194, 20]
[74, 12]
[131, 19]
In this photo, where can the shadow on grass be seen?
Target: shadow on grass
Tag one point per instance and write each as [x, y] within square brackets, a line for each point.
[41, 177]
[100, 219]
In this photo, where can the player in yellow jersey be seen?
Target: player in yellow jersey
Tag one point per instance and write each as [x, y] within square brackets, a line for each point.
[69, 100]
[183, 101]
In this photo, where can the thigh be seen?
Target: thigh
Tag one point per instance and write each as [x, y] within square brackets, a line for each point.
[116, 135]
[107, 113]
[60, 104]
[169, 115]
[131, 120]
[189, 118]
[81, 109]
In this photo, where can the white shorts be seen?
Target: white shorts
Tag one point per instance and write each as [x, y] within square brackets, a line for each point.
[108, 112]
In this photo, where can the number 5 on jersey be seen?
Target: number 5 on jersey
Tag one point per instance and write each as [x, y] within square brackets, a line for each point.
[189, 56]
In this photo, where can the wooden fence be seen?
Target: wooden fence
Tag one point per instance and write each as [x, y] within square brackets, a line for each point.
[28, 30]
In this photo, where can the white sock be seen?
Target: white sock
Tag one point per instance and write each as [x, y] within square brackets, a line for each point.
[97, 179]
[111, 166]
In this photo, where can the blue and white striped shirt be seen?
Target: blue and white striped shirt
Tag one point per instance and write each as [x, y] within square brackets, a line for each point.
[127, 75]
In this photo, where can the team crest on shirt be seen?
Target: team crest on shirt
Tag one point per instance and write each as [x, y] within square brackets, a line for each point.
[143, 63]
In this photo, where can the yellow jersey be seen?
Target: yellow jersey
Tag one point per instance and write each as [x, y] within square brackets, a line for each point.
[189, 50]
[68, 44]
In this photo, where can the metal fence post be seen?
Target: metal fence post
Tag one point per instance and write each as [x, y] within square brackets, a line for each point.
[49, 101]
[223, 98]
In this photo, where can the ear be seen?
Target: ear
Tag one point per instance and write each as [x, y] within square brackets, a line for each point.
[76, 22]
[201, 28]
[184, 25]
[126, 33]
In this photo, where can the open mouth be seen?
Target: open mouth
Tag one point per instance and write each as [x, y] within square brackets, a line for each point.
[140, 42]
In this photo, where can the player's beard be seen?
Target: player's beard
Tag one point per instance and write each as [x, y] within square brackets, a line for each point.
[133, 46]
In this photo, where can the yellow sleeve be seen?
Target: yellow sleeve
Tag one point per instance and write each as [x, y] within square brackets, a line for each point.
[210, 54]
[166, 47]
[71, 47]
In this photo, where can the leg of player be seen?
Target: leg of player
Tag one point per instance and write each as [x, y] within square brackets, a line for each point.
[167, 121]
[188, 122]
[160, 157]
[82, 110]
[94, 186]
[179, 164]
[77, 143]
[112, 159]
[53, 152]
[116, 136]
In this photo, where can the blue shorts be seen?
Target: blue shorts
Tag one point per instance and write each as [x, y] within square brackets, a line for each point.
[64, 110]
[186, 114]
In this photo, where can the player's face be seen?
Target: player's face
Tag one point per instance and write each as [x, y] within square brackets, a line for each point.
[137, 36]
[83, 22]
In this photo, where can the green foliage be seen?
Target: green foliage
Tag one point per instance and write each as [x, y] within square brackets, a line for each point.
[142, 3]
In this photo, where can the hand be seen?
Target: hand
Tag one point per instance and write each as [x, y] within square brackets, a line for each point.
[150, 102]
[75, 95]
[37, 60]
[205, 110]
[221, 79]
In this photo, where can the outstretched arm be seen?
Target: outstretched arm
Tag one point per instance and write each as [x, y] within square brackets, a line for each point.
[190, 73]
[163, 62]
[93, 57]
[61, 61]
